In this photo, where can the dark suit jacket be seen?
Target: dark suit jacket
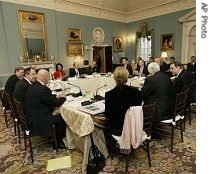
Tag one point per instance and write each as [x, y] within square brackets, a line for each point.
[72, 72]
[158, 88]
[117, 102]
[38, 105]
[9, 88]
[182, 82]
[164, 67]
[145, 70]
[191, 68]
[91, 70]
[130, 69]
[20, 90]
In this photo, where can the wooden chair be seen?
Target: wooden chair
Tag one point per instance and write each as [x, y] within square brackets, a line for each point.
[148, 113]
[14, 115]
[167, 127]
[26, 130]
[3, 106]
[189, 101]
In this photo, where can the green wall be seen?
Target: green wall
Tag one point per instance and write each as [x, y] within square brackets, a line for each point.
[57, 24]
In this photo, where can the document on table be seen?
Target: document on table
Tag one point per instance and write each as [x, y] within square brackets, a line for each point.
[94, 108]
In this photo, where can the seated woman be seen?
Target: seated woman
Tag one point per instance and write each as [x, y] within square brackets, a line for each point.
[120, 98]
[59, 73]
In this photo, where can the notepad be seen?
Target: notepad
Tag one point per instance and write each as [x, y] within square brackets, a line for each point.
[58, 163]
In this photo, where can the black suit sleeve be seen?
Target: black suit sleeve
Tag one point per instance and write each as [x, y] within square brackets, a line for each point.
[50, 99]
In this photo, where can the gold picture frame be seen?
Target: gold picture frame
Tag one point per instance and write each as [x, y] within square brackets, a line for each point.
[117, 44]
[167, 42]
[73, 34]
[75, 49]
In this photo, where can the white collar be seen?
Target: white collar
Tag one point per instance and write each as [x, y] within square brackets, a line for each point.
[27, 80]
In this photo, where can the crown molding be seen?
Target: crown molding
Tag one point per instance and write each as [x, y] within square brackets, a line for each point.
[75, 8]
[189, 16]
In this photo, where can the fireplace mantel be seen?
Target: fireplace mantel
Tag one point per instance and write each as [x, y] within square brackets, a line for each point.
[40, 65]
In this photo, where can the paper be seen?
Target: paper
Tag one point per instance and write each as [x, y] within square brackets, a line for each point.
[58, 163]
[93, 109]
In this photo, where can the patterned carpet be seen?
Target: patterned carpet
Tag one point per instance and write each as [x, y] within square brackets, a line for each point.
[14, 160]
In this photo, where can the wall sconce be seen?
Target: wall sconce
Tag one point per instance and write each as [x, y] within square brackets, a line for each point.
[145, 33]
[131, 39]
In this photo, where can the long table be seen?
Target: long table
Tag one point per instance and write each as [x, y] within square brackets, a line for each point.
[81, 124]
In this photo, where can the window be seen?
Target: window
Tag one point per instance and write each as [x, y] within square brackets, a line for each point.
[145, 48]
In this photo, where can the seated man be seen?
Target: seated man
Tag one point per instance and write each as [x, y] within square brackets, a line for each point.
[92, 68]
[75, 71]
[120, 98]
[11, 82]
[141, 69]
[127, 65]
[39, 105]
[158, 88]
[22, 85]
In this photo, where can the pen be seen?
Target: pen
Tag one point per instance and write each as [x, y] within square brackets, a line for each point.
[70, 100]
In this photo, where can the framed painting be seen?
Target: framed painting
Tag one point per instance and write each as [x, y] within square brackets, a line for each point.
[75, 49]
[167, 42]
[118, 44]
[73, 34]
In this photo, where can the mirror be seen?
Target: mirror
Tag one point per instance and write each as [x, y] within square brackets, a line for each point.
[33, 36]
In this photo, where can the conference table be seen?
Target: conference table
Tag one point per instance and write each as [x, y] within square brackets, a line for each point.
[81, 124]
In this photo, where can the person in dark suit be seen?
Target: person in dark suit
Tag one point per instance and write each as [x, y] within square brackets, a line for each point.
[23, 84]
[163, 65]
[99, 63]
[158, 88]
[120, 98]
[127, 65]
[92, 68]
[39, 105]
[191, 66]
[11, 82]
[141, 68]
[75, 71]
[183, 78]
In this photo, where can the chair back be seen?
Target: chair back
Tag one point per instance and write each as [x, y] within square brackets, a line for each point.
[190, 93]
[12, 106]
[148, 114]
[22, 116]
[180, 104]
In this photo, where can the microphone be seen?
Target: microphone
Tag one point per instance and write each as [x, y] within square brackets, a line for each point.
[76, 94]
[56, 82]
[133, 80]
[98, 97]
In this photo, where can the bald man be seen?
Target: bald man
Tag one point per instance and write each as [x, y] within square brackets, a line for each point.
[39, 105]
[163, 65]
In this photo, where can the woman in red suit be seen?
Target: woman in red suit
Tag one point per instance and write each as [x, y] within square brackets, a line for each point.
[59, 73]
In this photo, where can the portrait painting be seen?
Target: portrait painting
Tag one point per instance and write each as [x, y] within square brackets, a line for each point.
[167, 42]
[75, 49]
[73, 34]
[118, 44]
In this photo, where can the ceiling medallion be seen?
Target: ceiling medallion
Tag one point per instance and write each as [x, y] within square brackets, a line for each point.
[98, 36]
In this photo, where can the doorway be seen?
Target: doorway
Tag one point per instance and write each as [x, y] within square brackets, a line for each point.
[103, 56]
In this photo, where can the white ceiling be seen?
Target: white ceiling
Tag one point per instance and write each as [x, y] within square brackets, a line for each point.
[116, 10]
[123, 6]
